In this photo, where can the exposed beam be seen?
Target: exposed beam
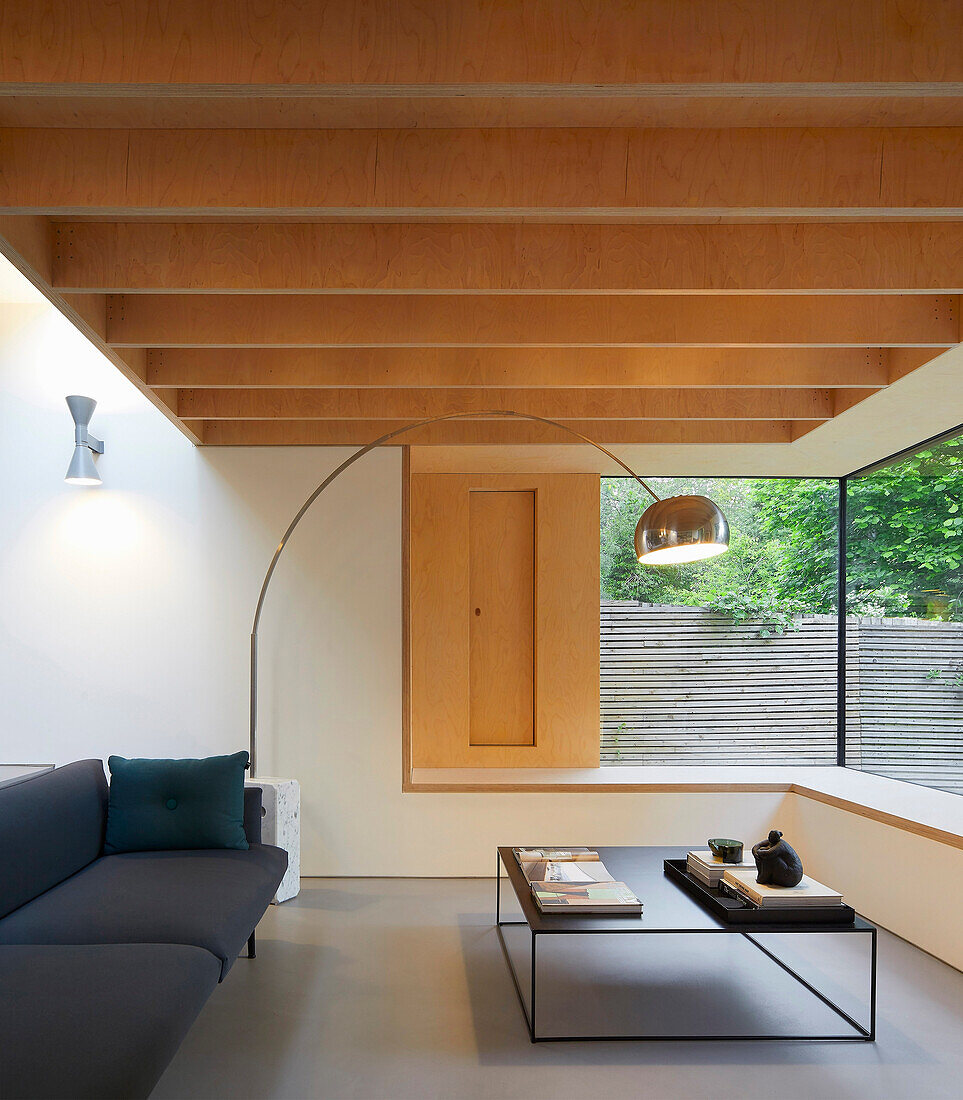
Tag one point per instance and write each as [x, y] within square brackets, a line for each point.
[903, 361]
[558, 403]
[791, 173]
[697, 106]
[353, 320]
[267, 433]
[437, 42]
[846, 399]
[731, 368]
[391, 257]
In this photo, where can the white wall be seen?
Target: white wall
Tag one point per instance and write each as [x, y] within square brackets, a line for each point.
[909, 884]
[125, 614]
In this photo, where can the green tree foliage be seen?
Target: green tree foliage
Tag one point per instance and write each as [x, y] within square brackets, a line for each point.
[798, 521]
[905, 540]
[905, 552]
[741, 583]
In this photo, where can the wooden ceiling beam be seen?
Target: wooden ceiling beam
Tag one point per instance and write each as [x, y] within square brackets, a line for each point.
[725, 368]
[914, 172]
[557, 403]
[356, 433]
[433, 42]
[903, 361]
[390, 257]
[687, 106]
[463, 320]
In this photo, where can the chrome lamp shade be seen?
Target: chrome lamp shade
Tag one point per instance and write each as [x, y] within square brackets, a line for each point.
[681, 529]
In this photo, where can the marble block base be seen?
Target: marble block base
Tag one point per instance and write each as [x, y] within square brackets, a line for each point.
[281, 826]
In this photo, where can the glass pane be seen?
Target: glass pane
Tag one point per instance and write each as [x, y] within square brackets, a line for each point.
[904, 626]
[726, 661]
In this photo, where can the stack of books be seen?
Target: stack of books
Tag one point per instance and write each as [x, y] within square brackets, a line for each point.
[574, 880]
[708, 868]
[741, 883]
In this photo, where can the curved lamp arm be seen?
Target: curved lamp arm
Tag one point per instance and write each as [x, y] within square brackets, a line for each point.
[350, 461]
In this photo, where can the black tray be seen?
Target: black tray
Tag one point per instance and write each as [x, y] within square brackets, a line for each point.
[734, 911]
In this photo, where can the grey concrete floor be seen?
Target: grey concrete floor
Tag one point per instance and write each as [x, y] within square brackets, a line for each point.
[389, 989]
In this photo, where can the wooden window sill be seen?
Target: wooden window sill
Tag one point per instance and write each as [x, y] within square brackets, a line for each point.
[937, 815]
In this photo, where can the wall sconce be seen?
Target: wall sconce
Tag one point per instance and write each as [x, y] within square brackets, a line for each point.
[82, 470]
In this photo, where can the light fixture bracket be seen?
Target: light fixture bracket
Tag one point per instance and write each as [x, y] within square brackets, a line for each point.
[95, 444]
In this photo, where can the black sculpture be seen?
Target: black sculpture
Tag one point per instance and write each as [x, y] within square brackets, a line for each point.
[776, 863]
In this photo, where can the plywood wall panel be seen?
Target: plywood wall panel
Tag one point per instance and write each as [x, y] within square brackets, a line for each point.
[566, 622]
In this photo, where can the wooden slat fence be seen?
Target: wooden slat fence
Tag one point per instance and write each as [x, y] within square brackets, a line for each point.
[911, 725]
[686, 685]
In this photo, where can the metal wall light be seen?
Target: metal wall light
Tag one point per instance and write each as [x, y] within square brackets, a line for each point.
[82, 470]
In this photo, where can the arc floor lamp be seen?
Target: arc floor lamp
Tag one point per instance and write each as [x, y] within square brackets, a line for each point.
[670, 531]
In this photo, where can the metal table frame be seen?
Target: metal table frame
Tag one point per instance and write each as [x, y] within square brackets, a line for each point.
[860, 1033]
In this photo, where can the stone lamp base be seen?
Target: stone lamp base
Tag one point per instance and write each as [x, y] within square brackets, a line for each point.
[281, 826]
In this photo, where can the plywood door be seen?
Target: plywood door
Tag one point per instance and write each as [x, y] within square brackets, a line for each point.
[501, 569]
[450, 703]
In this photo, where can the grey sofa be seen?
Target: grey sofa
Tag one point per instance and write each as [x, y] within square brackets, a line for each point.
[105, 961]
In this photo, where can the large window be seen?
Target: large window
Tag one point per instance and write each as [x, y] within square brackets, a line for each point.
[904, 627]
[727, 661]
[742, 659]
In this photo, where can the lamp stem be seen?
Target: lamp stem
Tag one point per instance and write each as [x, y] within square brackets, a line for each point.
[350, 461]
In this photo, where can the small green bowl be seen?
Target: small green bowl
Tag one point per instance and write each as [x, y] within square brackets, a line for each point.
[729, 851]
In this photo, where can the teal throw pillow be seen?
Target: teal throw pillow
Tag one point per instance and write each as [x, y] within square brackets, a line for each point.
[160, 805]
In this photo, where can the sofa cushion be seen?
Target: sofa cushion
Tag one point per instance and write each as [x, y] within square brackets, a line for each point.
[51, 826]
[209, 899]
[164, 805]
[96, 1021]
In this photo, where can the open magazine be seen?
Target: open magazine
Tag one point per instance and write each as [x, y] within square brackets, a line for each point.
[613, 898]
[579, 884]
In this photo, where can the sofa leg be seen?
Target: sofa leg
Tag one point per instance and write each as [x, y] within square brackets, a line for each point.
[251, 952]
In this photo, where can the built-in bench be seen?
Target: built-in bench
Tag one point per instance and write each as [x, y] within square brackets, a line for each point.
[894, 848]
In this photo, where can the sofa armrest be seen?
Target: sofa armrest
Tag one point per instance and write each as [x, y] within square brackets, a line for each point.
[252, 814]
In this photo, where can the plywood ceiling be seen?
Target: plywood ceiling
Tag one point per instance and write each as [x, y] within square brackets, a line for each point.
[658, 221]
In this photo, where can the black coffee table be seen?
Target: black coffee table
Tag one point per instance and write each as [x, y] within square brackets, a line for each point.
[680, 973]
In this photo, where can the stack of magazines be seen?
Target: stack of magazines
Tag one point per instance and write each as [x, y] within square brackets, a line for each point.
[708, 868]
[574, 880]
